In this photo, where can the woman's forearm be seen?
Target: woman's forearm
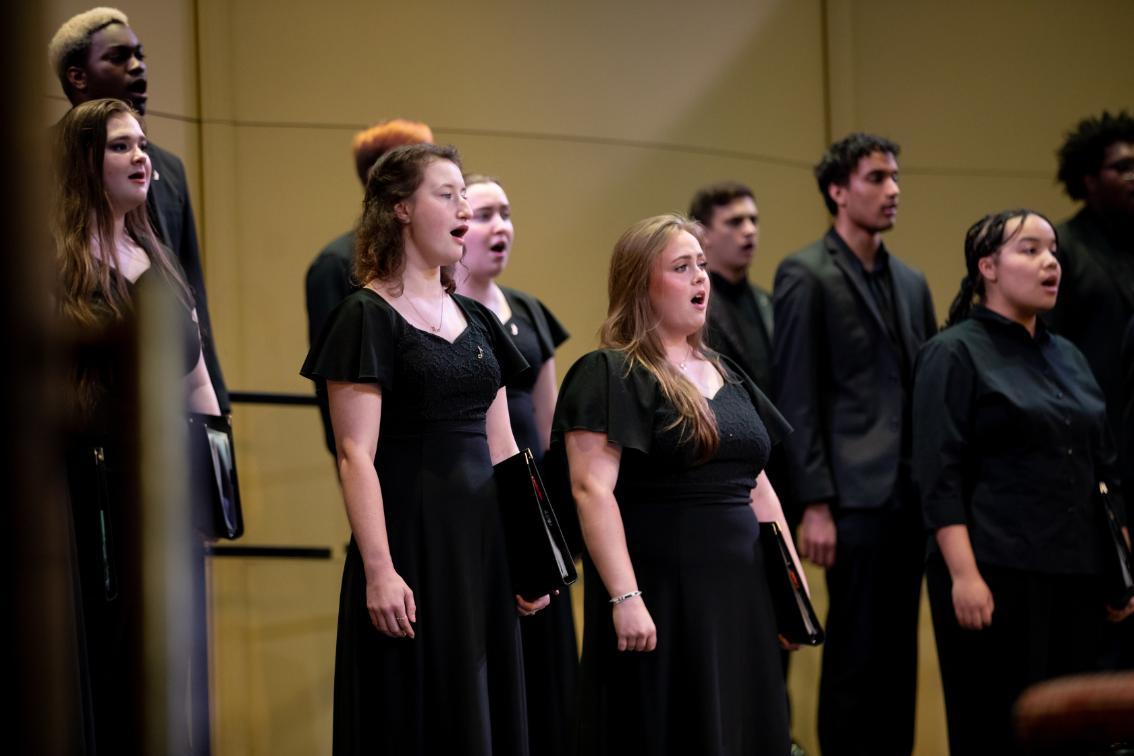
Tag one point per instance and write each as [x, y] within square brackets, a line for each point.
[957, 550]
[767, 508]
[362, 494]
[601, 523]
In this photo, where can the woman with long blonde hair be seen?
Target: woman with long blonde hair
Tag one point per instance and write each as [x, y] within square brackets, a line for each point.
[665, 442]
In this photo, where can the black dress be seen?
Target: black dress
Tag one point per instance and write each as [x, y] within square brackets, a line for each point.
[551, 659]
[713, 686]
[101, 452]
[458, 687]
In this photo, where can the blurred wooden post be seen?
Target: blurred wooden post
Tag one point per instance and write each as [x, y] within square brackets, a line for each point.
[166, 534]
[38, 636]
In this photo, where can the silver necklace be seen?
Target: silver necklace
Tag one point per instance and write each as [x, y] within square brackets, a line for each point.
[422, 317]
[687, 358]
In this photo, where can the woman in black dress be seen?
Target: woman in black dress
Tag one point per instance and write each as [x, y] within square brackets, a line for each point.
[1010, 443]
[550, 650]
[665, 443]
[107, 250]
[428, 656]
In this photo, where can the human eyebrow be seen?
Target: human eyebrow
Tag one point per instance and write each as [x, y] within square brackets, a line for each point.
[736, 220]
[116, 50]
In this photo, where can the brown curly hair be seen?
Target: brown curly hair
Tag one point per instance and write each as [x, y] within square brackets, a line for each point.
[379, 248]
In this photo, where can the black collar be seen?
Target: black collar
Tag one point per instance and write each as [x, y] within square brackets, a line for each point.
[728, 289]
[839, 245]
[1011, 327]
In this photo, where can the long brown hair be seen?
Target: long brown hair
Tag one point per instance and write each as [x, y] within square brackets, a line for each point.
[379, 247]
[89, 294]
[631, 326]
[91, 297]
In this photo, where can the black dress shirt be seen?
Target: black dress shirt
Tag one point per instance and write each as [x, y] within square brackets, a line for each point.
[881, 287]
[1011, 439]
[736, 311]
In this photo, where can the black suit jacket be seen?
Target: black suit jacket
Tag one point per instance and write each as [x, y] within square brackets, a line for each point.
[1096, 301]
[725, 336]
[172, 216]
[841, 381]
[329, 280]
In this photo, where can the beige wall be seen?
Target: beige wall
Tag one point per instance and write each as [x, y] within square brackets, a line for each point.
[594, 115]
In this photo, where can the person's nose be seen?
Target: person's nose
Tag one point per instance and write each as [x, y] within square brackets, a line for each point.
[464, 209]
[137, 66]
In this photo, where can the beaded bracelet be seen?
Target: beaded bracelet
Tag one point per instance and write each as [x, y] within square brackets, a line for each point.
[625, 597]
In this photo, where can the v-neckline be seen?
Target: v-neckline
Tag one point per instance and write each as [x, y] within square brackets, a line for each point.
[423, 331]
[713, 398]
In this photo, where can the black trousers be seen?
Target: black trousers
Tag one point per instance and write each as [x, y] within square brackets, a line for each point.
[1042, 626]
[868, 685]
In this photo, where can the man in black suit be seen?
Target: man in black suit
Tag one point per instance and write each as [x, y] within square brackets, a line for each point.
[1096, 290]
[96, 54]
[1096, 248]
[850, 318]
[330, 276]
[740, 313]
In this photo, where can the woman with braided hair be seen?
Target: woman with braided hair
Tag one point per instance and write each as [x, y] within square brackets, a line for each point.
[1010, 442]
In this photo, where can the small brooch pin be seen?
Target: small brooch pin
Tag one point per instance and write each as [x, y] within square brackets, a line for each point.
[479, 352]
[515, 330]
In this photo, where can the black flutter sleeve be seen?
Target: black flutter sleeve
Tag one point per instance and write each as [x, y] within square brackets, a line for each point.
[357, 344]
[600, 394]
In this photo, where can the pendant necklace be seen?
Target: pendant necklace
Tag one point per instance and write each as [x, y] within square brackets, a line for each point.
[422, 318]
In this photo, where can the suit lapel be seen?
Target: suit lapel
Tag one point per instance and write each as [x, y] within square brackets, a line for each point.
[764, 307]
[902, 309]
[854, 275]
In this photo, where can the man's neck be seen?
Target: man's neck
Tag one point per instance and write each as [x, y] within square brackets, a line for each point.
[862, 242]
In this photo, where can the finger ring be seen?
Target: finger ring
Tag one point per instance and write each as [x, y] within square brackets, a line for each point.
[399, 618]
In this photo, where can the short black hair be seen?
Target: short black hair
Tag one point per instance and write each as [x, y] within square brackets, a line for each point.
[1084, 150]
[841, 158]
[709, 198]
